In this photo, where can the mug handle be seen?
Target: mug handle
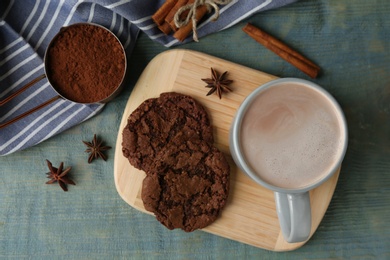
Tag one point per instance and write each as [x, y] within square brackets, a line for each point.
[294, 213]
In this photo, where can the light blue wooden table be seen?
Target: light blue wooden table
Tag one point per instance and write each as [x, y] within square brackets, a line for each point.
[350, 40]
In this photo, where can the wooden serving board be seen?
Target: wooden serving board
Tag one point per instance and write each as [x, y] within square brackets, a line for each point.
[250, 215]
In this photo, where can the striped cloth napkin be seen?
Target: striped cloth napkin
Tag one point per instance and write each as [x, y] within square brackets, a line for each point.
[26, 28]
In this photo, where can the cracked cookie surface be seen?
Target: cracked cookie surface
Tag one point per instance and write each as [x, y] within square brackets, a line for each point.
[188, 186]
[170, 138]
[157, 120]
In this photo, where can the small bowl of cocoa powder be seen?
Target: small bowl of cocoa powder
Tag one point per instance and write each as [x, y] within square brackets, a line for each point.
[86, 63]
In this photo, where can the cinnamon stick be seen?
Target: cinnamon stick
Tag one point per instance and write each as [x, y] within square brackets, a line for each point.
[159, 16]
[282, 50]
[165, 28]
[184, 31]
[170, 16]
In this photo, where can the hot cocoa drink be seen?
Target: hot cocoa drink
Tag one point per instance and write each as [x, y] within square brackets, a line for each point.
[292, 136]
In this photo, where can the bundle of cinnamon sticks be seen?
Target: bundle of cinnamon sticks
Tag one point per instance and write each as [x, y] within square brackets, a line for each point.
[164, 18]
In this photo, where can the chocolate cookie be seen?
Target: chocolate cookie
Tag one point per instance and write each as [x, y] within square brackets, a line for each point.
[157, 121]
[188, 184]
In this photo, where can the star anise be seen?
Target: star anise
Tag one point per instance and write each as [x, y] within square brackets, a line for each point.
[95, 148]
[59, 175]
[217, 83]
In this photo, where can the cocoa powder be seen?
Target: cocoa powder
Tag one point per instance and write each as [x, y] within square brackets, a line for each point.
[85, 63]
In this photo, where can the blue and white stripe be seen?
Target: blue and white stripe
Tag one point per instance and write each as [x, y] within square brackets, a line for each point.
[26, 28]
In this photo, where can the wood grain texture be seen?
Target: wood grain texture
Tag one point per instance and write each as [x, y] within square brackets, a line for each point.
[250, 215]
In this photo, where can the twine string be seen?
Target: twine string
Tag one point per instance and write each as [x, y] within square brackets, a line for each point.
[192, 9]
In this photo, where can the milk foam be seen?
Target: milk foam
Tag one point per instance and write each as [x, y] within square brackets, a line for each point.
[291, 136]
